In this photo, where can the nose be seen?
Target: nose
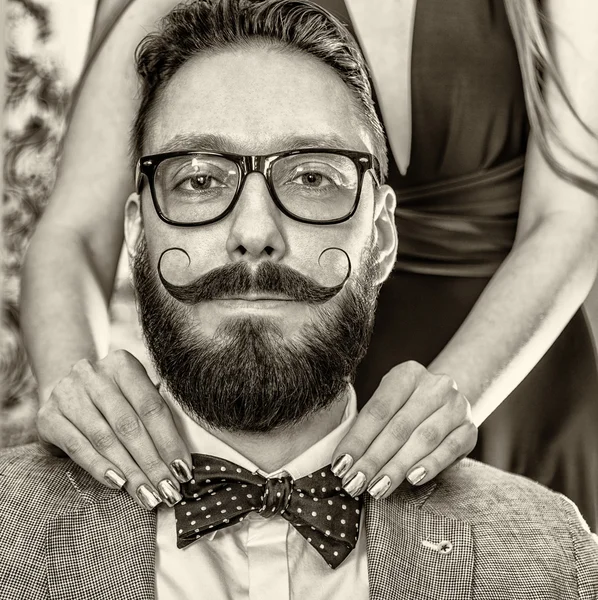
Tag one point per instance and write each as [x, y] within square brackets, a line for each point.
[256, 232]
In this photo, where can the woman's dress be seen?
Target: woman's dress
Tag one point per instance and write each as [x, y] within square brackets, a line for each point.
[456, 218]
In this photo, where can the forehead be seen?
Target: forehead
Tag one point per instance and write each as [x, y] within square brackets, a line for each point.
[257, 99]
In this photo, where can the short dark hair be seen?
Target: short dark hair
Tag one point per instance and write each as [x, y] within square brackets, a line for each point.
[207, 25]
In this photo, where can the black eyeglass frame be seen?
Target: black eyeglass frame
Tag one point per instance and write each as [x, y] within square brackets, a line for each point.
[363, 161]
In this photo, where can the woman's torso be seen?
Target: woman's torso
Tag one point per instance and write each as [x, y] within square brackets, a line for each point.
[468, 106]
[458, 202]
[457, 211]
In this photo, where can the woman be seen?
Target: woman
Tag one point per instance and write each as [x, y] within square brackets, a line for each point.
[493, 265]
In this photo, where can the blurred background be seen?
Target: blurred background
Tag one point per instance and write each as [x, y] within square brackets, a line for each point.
[47, 43]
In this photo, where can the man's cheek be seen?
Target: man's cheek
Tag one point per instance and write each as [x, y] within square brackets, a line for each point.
[326, 253]
[185, 258]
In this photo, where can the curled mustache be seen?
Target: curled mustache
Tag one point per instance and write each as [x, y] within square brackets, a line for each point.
[238, 279]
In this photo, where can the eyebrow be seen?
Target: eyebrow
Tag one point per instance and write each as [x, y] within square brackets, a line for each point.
[209, 142]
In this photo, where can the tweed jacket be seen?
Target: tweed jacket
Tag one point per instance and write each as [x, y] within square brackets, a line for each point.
[473, 533]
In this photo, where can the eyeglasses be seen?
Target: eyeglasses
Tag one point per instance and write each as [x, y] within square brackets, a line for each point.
[311, 185]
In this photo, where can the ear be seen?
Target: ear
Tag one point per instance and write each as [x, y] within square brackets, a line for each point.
[385, 230]
[133, 223]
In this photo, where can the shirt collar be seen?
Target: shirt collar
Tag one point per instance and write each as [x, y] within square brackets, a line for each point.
[199, 440]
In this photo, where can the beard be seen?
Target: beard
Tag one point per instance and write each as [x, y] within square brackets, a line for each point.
[247, 377]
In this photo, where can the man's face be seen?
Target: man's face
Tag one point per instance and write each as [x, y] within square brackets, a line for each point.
[260, 101]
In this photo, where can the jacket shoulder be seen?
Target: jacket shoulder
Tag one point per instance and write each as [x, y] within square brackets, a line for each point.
[504, 504]
[37, 490]
[519, 526]
[33, 480]
[471, 490]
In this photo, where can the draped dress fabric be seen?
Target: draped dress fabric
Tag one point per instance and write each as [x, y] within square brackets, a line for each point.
[457, 214]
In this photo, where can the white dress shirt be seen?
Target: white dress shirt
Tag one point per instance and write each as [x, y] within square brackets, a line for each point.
[259, 558]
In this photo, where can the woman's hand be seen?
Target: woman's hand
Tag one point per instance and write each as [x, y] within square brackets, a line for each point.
[415, 425]
[110, 419]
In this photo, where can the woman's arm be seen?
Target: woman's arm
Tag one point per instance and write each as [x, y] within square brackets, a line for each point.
[416, 418]
[552, 265]
[102, 410]
[69, 270]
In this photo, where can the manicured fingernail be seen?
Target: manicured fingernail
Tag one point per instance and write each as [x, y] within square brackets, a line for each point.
[378, 488]
[170, 494]
[416, 475]
[113, 477]
[148, 497]
[355, 485]
[181, 471]
[341, 465]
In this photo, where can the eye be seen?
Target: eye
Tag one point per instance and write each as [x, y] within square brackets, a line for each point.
[315, 177]
[200, 182]
[203, 181]
[310, 179]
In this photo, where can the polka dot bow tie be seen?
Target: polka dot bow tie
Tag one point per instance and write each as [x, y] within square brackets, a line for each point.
[222, 493]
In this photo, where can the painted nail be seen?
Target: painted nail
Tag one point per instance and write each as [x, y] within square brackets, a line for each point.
[341, 465]
[113, 477]
[378, 488]
[355, 485]
[169, 493]
[416, 475]
[148, 497]
[181, 471]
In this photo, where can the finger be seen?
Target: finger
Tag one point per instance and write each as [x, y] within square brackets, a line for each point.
[47, 425]
[457, 445]
[394, 391]
[135, 385]
[421, 466]
[426, 399]
[76, 446]
[50, 448]
[144, 470]
[98, 433]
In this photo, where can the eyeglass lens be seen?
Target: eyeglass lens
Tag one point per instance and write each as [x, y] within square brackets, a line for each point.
[196, 188]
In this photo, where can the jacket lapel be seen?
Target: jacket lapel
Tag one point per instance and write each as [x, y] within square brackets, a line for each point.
[416, 554]
[103, 551]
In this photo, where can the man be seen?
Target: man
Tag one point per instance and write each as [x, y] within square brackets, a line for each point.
[258, 239]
